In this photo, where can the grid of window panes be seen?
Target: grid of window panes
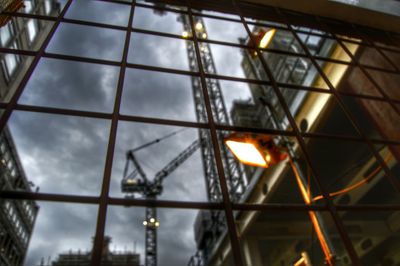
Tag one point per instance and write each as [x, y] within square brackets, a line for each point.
[114, 117]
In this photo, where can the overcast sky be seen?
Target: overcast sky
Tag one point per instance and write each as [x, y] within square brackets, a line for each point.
[66, 155]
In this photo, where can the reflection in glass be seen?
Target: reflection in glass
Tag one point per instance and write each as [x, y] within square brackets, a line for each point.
[222, 30]
[72, 85]
[158, 20]
[375, 118]
[101, 12]
[61, 154]
[12, 69]
[173, 234]
[158, 51]
[318, 112]
[388, 82]
[287, 238]
[160, 162]
[87, 41]
[350, 172]
[157, 94]
[374, 235]
[62, 229]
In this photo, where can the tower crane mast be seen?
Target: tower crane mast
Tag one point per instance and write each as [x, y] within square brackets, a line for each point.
[136, 181]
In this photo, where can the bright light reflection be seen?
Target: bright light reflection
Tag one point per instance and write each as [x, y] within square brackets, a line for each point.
[267, 38]
[199, 26]
[185, 34]
[247, 153]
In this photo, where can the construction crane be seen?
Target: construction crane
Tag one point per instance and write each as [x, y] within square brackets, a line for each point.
[213, 222]
[135, 181]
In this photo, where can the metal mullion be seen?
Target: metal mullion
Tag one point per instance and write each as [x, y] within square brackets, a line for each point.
[61, 111]
[159, 33]
[331, 208]
[369, 207]
[128, 202]
[115, 2]
[161, 8]
[237, 255]
[25, 195]
[18, 92]
[162, 69]
[216, 17]
[102, 213]
[278, 207]
[389, 175]
[254, 130]
[17, 51]
[378, 69]
[29, 15]
[230, 78]
[149, 120]
[82, 59]
[93, 24]
[265, 24]
[347, 138]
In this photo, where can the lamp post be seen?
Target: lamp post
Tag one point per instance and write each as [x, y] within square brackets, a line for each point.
[262, 151]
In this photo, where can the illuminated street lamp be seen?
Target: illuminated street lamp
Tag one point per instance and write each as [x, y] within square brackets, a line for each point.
[261, 150]
[266, 38]
[255, 150]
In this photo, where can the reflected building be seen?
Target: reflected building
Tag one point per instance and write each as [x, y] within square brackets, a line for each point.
[17, 218]
[109, 258]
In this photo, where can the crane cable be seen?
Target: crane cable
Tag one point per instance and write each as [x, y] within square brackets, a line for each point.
[157, 140]
[357, 185]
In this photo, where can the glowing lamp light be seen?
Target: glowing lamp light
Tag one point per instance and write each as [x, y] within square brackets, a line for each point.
[255, 150]
[144, 223]
[199, 26]
[185, 34]
[247, 153]
[204, 35]
[267, 38]
[152, 220]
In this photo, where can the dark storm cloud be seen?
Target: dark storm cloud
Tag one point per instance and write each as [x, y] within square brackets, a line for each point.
[64, 154]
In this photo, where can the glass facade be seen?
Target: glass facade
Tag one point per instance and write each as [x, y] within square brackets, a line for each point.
[116, 115]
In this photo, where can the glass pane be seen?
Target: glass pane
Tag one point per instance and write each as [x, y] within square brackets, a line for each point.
[368, 56]
[86, 41]
[394, 57]
[220, 30]
[262, 168]
[13, 68]
[281, 39]
[318, 112]
[246, 105]
[157, 20]
[289, 238]
[63, 233]
[24, 34]
[44, 7]
[375, 118]
[391, 156]
[294, 70]
[169, 158]
[350, 172]
[374, 235]
[59, 154]
[349, 79]
[218, 14]
[324, 47]
[235, 62]
[388, 82]
[101, 12]
[159, 51]
[72, 85]
[161, 95]
[176, 231]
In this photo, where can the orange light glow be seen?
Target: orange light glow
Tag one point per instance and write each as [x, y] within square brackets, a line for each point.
[267, 38]
[247, 153]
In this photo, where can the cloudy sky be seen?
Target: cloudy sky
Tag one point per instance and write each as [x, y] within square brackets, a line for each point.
[66, 155]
